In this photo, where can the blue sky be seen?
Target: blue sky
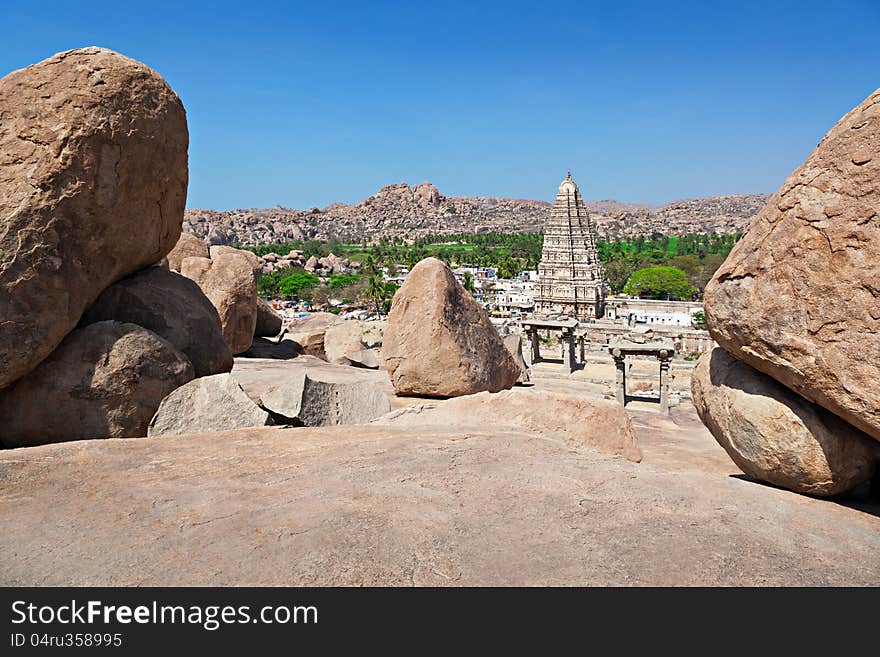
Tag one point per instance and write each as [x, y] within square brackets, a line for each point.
[303, 104]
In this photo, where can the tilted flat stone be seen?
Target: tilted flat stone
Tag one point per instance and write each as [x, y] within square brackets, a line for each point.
[322, 398]
[211, 403]
[269, 322]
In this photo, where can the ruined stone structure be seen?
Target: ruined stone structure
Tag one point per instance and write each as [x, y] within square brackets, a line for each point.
[570, 276]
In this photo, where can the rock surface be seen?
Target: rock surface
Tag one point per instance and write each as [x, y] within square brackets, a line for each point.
[324, 398]
[439, 341]
[269, 322]
[379, 506]
[188, 246]
[581, 422]
[308, 332]
[172, 306]
[105, 380]
[799, 296]
[230, 282]
[513, 344]
[775, 435]
[355, 343]
[93, 151]
[211, 403]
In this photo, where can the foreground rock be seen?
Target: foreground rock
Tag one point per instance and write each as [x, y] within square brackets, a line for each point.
[776, 436]
[354, 343]
[212, 403]
[308, 332]
[230, 282]
[581, 422]
[333, 506]
[104, 381]
[799, 296]
[323, 398]
[188, 246]
[440, 342]
[269, 322]
[172, 306]
[93, 168]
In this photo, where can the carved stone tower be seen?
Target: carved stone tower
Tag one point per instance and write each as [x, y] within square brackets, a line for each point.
[571, 280]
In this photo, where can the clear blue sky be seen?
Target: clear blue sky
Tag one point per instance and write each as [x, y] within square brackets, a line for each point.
[306, 103]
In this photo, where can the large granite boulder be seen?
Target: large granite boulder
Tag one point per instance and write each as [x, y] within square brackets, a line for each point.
[172, 306]
[775, 435]
[439, 341]
[355, 343]
[799, 296]
[93, 172]
[269, 322]
[188, 246]
[211, 403]
[105, 380]
[577, 421]
[230, 282]
[316, 398]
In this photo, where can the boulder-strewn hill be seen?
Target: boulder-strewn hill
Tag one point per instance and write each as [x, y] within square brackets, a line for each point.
[409, 211]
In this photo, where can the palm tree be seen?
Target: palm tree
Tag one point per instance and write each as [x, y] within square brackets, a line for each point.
[375, 291]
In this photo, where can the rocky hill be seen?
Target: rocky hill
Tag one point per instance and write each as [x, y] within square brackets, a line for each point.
[402, 210]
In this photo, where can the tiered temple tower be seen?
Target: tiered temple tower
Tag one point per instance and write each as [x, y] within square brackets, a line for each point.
[571, 280]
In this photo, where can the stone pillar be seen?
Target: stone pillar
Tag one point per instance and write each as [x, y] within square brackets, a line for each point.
[581, 341]
[664, 381]
[535, 344]
[620, 376]
[567, 339]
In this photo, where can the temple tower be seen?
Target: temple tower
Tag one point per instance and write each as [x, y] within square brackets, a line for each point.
[571, 281]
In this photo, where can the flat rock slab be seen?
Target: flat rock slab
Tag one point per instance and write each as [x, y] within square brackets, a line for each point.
[379, 506]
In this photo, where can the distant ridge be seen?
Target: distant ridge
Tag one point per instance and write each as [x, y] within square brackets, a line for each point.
[409, 211]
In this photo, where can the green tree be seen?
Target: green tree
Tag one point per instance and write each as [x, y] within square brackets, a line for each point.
[294, 284]
[375, 291]
[659, 283]
[698, 319]
[468, 282]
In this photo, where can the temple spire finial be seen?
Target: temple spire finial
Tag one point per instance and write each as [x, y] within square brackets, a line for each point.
[568, 175]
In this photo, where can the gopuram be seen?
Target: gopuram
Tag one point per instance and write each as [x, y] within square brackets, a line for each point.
[570, 277]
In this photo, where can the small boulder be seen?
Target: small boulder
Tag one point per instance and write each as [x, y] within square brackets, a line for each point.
[308, 332]
[268, 321]
[440, 342]
[172, 306]
[188, 246]
[320, 398]
[105, 380]
[230, 282]
[773, 434]
[211, 403]
[354, 343]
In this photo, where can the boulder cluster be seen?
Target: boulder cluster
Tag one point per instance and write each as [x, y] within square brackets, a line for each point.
[792, 392]
[106, 308]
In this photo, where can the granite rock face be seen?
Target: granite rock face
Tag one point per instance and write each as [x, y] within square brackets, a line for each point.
[211, 403]
[799, 296]
[354, 343]
[308, 332]
[439, 341]
[172, 306]
[323, 398]
[513, 344]
[93, 173]
[775, 435]
[105, 380]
